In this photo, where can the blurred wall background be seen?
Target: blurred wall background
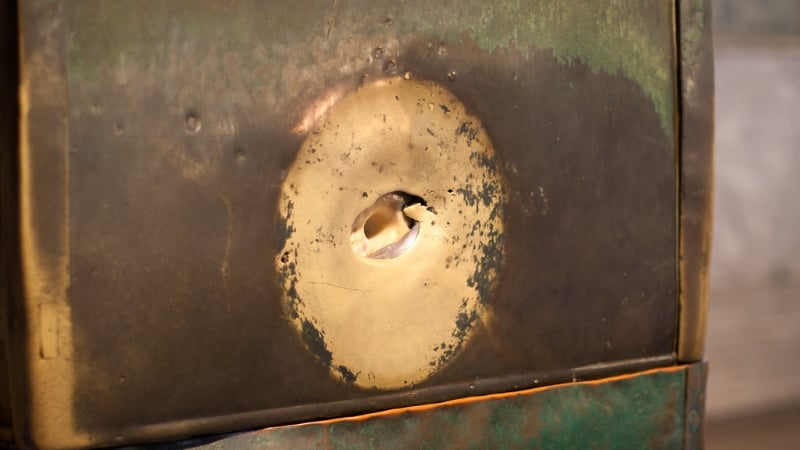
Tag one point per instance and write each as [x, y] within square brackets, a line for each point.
[753, 342]
[768, 17]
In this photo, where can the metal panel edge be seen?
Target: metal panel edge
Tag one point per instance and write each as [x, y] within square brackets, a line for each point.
[696, 72]
[44, 401]
[696, 376]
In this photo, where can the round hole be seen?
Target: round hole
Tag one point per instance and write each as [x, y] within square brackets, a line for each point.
[383, 230]
[193, 123]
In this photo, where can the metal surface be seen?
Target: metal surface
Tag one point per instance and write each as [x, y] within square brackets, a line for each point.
[642, 410]
[696, 172]
[694, 418]
[39, 323]
[156, 139]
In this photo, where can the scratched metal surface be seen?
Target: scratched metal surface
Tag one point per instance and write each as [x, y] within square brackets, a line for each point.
[180, 119]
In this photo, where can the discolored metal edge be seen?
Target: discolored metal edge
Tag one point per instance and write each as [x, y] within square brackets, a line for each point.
[39, 326]
[640, 410]
[696, 376]
[696, 179]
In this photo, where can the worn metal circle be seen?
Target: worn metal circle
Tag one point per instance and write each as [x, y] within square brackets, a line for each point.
[389, 227]
[391, 322]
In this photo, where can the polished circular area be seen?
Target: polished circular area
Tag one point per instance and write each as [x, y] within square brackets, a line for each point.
[392, 214]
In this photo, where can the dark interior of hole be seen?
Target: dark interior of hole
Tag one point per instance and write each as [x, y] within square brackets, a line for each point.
[409, 199]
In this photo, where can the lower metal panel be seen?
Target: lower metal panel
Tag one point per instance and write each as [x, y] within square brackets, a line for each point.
[657, 409]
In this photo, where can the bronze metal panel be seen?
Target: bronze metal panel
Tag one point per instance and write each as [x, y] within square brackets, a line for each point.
[150, 245]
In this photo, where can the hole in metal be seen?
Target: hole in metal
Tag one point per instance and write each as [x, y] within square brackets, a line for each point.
[383, 230]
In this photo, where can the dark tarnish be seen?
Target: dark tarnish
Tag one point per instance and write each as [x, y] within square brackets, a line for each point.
[470, 198]
[315, 342]
[468, 131]
[289, 272]
[287, 269]
[490, 263]
[285, 227]
[488, 193]
[347, 375]
[465, 321]
[482, 160]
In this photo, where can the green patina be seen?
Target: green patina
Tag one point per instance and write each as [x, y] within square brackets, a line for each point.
[630, 37]
[633, 38]
[635, 412]
[643, 411]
